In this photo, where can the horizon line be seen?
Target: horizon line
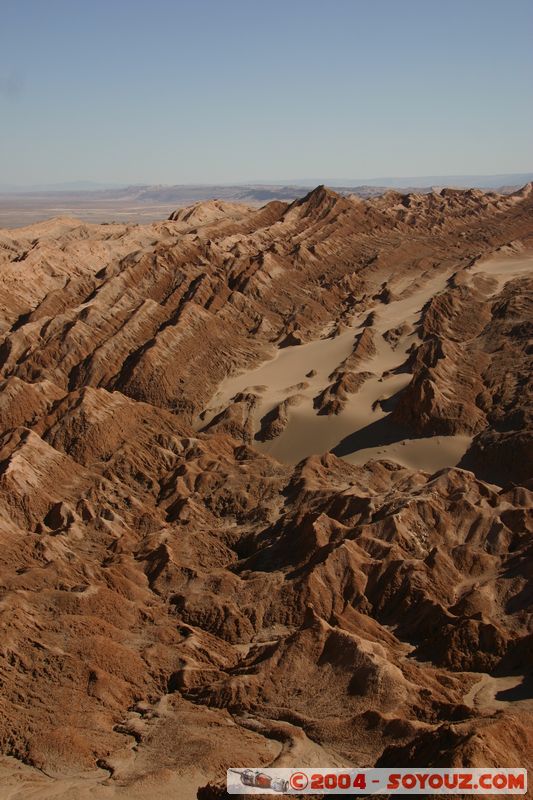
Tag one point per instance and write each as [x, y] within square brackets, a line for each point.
[288, 182]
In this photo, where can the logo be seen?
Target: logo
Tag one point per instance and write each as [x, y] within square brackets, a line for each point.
[350, 781]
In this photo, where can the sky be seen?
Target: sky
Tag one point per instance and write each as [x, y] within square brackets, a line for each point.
[172, 91]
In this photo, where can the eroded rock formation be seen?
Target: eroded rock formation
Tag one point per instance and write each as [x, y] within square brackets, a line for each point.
[174, 600]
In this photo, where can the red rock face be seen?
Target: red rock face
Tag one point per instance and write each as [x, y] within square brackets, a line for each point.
[175, 600]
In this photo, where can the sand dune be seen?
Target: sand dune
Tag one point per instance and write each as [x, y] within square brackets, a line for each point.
[504, 266]
[362, 430]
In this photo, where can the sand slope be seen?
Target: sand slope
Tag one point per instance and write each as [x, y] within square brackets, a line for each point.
[307, 433]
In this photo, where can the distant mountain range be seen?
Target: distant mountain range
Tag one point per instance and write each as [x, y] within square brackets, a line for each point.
[281, 189]
[427, 181]
[94, 202]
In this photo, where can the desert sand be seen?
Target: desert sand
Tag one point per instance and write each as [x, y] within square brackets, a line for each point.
[363, 429]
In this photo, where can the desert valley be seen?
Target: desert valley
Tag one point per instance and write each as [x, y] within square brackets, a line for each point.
[266, 492]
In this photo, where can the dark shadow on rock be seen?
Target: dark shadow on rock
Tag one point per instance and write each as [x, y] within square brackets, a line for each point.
[266, 421]
[377, 434]
[501, 457]
[388, 404]
[524, 691]
[401, 369]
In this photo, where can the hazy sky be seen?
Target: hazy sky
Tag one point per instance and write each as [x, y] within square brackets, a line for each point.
[235, 90]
